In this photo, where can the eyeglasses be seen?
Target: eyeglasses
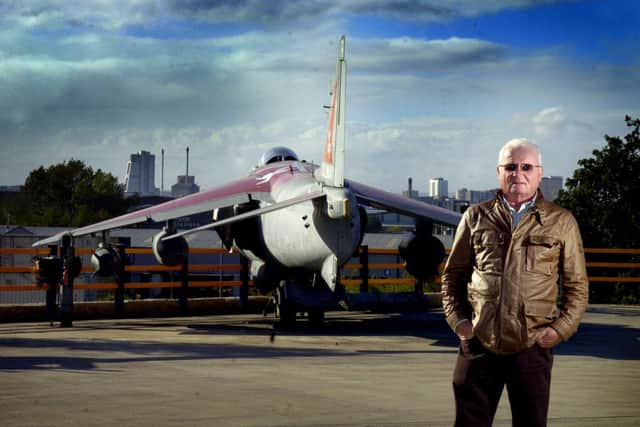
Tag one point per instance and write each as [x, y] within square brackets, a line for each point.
[525, 167]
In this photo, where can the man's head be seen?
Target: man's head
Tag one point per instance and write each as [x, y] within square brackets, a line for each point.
[519, 170]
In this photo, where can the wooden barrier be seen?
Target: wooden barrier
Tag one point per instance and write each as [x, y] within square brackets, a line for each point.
[349, 282]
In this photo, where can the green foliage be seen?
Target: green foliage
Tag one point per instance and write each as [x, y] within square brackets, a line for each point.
[601, 195]
[602, 192]
[66, 194]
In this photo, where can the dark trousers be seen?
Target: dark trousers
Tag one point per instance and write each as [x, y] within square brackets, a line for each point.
[480, 377]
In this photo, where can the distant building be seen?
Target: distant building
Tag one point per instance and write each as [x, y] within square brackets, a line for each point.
[551, 186]
[410, 192]
[438, 187]
[412, 195]
[463, 194]
[186, 185]
[475, 196]
[141, 175]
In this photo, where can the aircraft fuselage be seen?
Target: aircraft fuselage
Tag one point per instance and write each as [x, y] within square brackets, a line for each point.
[303, 236]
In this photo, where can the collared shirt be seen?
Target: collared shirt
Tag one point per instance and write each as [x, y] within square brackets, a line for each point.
[516, 216]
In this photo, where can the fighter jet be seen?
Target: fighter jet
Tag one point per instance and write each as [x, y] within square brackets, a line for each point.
[297, 222]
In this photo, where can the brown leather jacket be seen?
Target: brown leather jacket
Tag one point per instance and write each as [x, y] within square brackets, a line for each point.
[507, 282]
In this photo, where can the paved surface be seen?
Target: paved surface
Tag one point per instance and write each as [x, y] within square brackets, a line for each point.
[358, 369]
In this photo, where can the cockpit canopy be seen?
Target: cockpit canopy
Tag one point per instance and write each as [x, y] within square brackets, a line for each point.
[277, 154]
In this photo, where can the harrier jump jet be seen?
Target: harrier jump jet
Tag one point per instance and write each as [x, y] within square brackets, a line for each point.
[297, 222]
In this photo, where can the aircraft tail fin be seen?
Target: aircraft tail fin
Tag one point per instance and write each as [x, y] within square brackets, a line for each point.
[332, 166]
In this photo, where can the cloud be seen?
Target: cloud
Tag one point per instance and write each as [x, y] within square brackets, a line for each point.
[98, 15]
[100, 80]
[278, 12]
[61, 15]
[549, 121]
[411, 55]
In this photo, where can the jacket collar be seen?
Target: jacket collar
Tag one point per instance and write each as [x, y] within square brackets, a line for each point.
[538, 208]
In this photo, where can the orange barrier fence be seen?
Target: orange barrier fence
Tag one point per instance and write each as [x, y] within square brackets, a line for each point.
[618, 265]
[220, 268]
[192, 267]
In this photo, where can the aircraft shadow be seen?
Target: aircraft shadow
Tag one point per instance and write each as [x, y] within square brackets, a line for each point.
[428, 325]
[111, 354]
[124, 352]
[607, 341]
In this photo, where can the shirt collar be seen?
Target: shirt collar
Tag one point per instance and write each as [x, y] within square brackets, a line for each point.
[523, 207]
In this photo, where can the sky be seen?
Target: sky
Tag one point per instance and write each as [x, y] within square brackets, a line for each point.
[434, 88]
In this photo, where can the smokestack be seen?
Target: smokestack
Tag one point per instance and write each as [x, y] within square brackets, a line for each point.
[162, 173]
[187, 161]
[411, 187]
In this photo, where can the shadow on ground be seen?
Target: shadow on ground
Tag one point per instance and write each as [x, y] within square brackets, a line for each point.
[602, 340]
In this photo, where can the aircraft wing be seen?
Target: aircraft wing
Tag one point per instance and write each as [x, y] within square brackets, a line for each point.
[256, 212]
[234, 192]
[376, 198]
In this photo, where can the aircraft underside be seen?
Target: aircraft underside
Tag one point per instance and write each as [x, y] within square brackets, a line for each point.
[288, 250]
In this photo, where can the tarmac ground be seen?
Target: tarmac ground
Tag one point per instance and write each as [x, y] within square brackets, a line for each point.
[357, 369]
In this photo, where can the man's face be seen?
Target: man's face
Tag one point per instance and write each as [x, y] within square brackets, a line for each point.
[518, 184]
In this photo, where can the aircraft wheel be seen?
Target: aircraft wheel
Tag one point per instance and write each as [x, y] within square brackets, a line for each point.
[285, 310]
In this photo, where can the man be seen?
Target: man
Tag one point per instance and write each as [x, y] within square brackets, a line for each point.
[500, 289]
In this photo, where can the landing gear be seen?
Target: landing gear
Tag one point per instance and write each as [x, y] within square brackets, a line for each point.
[285, 308]
[289, 300]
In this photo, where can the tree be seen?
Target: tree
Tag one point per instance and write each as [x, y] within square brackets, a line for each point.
[70, 194]
[602, 192]
[601, 195]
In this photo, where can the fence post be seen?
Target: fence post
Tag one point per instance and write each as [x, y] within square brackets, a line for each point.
[244, 287]
[120, 277]
[184, 287]
[364, 268]
[67, 254]
[52, 291]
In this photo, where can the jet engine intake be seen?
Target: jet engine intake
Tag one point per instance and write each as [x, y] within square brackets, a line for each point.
[170, 252]
[105, 261]
[423, 252]
[245, 235]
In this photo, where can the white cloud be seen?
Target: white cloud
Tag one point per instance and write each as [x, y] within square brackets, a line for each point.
[549, 121]
[95, 81]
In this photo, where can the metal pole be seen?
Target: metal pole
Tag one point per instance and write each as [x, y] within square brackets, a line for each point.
[244, 278]
[52, 291]
[66, 303]
[364, 268]
[120, 277]
[184, 287]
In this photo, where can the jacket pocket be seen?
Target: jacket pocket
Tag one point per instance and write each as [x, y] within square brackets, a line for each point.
[542, 254]
[539, 313]
[488, 247]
